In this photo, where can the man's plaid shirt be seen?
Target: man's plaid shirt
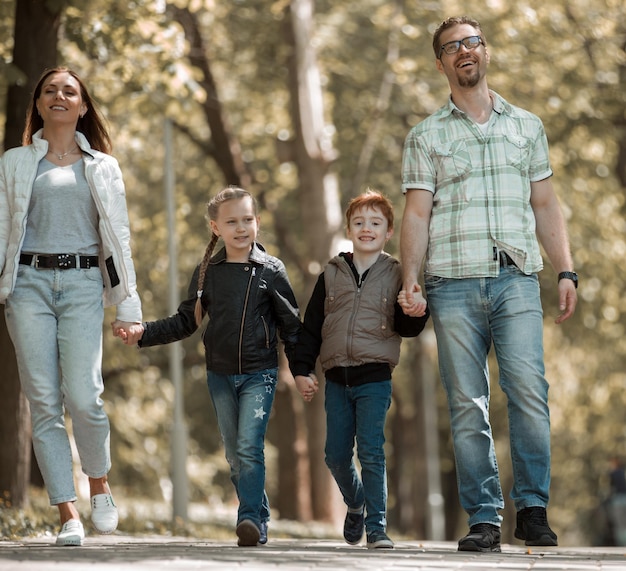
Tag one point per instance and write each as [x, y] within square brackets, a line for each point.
[481, 187]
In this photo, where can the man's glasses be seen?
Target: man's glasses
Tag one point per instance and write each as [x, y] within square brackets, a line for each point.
[471, 42]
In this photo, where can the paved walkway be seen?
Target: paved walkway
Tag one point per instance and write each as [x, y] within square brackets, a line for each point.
[132, 553]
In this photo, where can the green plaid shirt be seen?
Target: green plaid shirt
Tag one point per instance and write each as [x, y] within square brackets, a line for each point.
[481, 187]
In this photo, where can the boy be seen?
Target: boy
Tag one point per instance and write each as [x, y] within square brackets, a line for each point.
[354, 324]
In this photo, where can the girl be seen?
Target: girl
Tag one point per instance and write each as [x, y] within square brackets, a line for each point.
[248, 297]
[64, 256]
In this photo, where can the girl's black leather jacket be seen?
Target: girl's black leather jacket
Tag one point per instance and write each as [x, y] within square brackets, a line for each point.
[248, 305]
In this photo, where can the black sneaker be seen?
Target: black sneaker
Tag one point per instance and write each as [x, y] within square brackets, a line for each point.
[353, 526]
[263, 533]
[248, 533]
[379, 540]
[533, 528]
[481, 537]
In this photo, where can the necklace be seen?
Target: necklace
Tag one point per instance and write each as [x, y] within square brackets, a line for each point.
[61, 157]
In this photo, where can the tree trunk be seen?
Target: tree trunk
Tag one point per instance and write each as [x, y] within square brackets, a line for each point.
[35, 49]
[321, 215]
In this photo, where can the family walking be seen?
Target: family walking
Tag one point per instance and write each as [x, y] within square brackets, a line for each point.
[479, 202]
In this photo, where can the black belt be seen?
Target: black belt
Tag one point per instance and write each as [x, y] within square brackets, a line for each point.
[61, 261]
[506, 260]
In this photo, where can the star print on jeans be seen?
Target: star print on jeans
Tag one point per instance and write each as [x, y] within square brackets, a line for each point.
[268, 378]
[259, 398]
[259, 413]
[269, 389]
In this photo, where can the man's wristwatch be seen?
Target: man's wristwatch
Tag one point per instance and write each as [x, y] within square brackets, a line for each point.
[569, 276]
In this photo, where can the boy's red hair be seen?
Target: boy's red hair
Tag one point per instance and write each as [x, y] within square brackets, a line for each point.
[371, 199]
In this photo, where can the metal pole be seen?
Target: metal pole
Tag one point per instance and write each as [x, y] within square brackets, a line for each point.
[436, 520]
[178, 457]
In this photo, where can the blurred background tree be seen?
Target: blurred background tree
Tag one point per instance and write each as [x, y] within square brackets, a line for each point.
[225, 74]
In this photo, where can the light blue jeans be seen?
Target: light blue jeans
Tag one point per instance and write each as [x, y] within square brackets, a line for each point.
[54, 318]
[359, 413]
[243, 404]
[469, 315]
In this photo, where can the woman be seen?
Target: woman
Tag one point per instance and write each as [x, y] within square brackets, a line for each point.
[64, 256]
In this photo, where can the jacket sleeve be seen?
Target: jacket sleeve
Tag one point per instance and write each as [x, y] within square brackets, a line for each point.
[407, 326]
[5, 217]
[308, 347]
[175, 327]
[286, 310]
[129, 307]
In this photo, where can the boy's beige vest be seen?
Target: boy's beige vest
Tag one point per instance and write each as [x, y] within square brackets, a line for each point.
[358, 323]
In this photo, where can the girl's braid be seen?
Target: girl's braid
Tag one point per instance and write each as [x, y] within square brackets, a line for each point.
[198, 312]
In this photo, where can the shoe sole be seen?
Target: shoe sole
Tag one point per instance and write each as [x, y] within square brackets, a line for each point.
[380, 545]
[70, 543]
[248, 534]
[475, 548]
[543, 541]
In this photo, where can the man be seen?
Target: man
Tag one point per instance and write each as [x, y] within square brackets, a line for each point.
[479, 199]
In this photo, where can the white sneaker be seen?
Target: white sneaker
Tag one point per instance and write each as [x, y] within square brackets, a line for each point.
[104, 513]
[72, 533]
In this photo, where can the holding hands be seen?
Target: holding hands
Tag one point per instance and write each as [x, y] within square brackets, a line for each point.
[412, 301]
[307, 386]
[128, 332]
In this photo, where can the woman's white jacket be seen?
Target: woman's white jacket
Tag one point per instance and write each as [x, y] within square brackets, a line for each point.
[18, 168]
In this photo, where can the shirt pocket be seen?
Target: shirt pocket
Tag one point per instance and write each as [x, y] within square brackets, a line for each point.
[453, 166]
[517, 152]
[453, 162]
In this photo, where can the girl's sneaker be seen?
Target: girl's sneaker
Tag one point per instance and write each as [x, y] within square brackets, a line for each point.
[248, 533]
[378, 540]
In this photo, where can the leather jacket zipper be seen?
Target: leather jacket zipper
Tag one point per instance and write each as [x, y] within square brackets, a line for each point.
[243, 319]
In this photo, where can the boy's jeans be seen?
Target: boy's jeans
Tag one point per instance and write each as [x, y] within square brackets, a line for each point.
[54, 318]
[469, 315]
[243, 404]
[359, 412]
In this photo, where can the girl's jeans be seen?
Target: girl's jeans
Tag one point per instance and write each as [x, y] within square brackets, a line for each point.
[469, 315]
[243, 404]
[54, 318]
[359, 413]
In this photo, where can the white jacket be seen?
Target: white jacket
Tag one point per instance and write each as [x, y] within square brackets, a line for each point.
[18, 168]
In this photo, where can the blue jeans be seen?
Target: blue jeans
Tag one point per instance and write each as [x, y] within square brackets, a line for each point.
[359, 413]
[243, 404]
[469, 315]
[54, 318]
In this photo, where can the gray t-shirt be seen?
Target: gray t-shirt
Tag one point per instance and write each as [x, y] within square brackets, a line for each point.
[62, 217]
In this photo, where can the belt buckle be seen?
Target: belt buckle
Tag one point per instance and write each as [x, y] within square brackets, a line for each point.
[65, 261]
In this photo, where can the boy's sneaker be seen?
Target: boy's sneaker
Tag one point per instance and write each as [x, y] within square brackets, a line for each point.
[481, 537]
[533, 528]
[248, 533]
[378, 540]
[263, 533]
[353, 526]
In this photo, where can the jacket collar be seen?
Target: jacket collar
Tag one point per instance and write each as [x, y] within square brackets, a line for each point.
[257, 254]
[41, 144]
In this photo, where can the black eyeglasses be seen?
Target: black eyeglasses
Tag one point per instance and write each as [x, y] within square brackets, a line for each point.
[471, 42]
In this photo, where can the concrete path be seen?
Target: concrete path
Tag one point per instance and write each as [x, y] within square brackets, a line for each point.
[132, 553]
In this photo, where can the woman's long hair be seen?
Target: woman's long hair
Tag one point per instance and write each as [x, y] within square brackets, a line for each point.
[230, 193]
[91, 124]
